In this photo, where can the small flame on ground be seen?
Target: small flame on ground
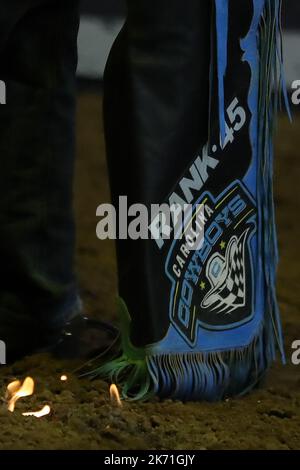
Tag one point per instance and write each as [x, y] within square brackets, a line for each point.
[12, 388]
[39, 414]
[114, 395]
[64, 378]
[16, 390]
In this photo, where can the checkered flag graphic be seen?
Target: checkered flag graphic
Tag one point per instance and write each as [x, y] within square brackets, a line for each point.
[230, 291]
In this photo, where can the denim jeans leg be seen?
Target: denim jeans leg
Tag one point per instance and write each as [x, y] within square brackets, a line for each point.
[38, 60]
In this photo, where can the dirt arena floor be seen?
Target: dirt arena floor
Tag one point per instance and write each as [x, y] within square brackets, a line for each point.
[82, 416]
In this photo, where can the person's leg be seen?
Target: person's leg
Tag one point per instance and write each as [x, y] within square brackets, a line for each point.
[189, 119]
[38, 58]
[156, 90]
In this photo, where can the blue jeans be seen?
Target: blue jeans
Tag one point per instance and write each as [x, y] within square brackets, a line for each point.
[38, 59]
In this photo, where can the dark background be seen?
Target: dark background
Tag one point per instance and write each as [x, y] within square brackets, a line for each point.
[104, 7]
